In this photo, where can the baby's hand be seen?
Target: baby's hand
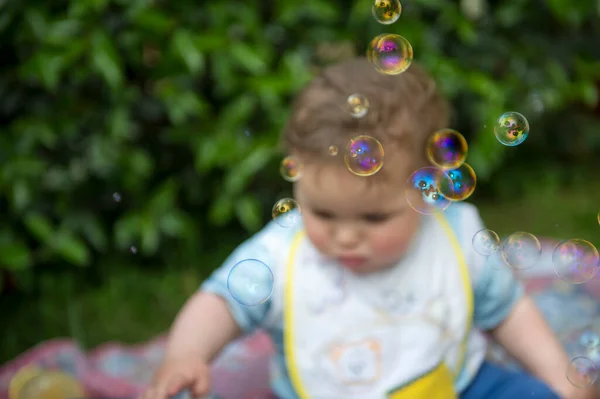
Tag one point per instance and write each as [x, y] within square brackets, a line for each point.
[581, 393]
[178, 374]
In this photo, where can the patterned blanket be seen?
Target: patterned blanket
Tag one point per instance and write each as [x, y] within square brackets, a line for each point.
[122, 371]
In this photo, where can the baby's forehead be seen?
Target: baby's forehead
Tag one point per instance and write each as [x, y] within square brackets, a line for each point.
[333, 185]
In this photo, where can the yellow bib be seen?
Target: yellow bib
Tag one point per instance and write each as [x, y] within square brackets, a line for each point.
[343, 340]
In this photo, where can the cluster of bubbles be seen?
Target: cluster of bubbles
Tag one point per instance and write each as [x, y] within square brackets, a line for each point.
[575, 260]
[519, 251]
[390, 54]
[582, 370]
[432, 189]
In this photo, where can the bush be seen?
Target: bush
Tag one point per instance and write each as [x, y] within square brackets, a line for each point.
[176, 107]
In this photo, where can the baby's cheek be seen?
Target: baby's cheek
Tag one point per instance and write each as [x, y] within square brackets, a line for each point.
[317, 235]
[389, 243]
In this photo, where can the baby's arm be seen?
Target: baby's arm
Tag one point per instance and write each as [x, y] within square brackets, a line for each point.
[202, 328]
[526, 336]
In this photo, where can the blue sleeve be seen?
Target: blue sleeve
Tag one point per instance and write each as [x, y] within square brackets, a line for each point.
[247, 317]
[496, 290]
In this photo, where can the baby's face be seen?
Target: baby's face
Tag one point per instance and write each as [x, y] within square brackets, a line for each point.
[365, 225]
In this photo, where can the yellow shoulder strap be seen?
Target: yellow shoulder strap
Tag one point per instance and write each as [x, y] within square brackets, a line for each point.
[466, 282]
[288, 321]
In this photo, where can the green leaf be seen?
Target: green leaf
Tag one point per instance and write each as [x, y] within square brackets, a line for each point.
[186, 49]
[126, 230]
[21, 195]
[62, 32]
[221, 210]
[152, 21]
[39, 226]
[106, 60]
[150, 235]
[120, 123]
[164, 198]
[92, 230]
[248, 212]
[70, 248]
[173, 223]
[15, 256]
[248, 58]
[239, 176]
[589, 93]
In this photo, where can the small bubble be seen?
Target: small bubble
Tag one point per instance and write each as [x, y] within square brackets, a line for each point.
[333, 150]
[582, 372]
[291, 169]
[576, 261]
[422, 190]
[283, 212]
[521, 250]
[364, 156]
[511, 129]
[117, 197]
[250, 282]
[486, 242]
[358, 105]
[133, 250]
[390, 54]
[463, 182]
[46, 384]
[447, 148]
[386, 12]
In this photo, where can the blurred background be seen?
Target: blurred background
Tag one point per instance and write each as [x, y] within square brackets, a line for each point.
[138, 141]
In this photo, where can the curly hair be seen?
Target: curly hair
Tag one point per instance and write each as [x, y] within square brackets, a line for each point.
[404, 110]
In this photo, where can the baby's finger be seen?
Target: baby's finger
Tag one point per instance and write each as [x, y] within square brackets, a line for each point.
[177, 383]
[202, 386]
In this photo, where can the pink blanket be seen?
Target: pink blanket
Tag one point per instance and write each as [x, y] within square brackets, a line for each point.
[116, 371]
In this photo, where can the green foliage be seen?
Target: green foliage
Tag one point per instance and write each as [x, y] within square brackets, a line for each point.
[152, 100]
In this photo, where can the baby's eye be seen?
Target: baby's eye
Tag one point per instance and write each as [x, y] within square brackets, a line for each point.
[376, 217]
[323, 215]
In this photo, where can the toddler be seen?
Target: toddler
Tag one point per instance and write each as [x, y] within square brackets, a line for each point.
[371, 299]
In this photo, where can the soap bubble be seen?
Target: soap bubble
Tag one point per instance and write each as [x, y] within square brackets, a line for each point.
[390, 54]
[521, 250]
[575, 261]
[464, 181]
[495, 261]
[582, 372]
[447, 148]
[486, 242]
[333, 150]
[117, 197]
[291, 169]
[133, 250]
[286, 212]
[386, 12]
[358, 105]
[364, 156]
[250, 282]
[45, 384]
[511, 129]
[423, 190]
